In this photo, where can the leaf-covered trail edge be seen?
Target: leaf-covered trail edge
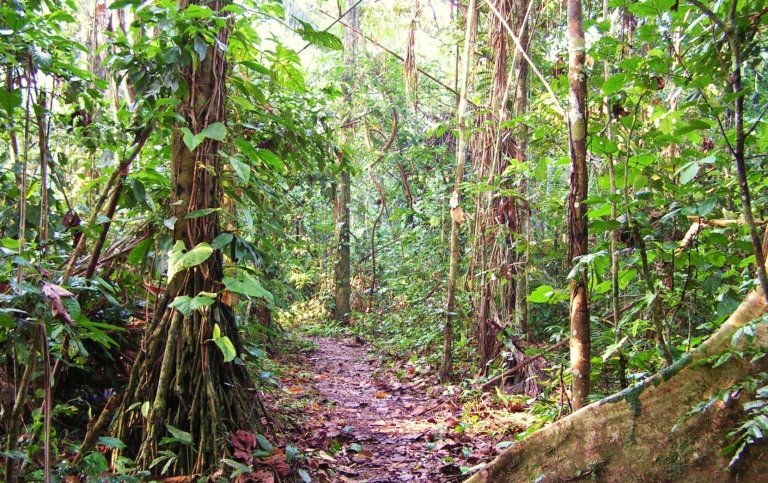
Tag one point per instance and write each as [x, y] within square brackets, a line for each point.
[364, 423]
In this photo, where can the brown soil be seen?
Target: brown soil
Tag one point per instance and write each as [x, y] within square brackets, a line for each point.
[387, 429]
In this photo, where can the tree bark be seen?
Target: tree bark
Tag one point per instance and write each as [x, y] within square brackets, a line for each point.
[628, 437]
[343, 267]
[180, 377]
[461, 152]
[577, 211]
[521, 140]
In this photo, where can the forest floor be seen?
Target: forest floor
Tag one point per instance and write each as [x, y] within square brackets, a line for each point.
[365, 423]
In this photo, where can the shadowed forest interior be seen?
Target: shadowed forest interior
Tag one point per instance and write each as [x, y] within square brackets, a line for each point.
[383, 240]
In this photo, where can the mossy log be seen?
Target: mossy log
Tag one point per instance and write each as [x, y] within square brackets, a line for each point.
[628, 437]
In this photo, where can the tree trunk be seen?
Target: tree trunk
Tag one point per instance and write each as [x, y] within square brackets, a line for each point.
[577, 211]
[343, 267]
[180, 378]
[461, 152]
[522, 26]
[628, 437]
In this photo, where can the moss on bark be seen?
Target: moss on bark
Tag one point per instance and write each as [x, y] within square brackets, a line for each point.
[628, 437]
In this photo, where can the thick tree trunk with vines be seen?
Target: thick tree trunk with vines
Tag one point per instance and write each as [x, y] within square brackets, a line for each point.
[180, 377]
[577, 211]
[628, 436]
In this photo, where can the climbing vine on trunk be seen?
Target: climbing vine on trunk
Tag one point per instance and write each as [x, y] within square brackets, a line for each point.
[181, 386]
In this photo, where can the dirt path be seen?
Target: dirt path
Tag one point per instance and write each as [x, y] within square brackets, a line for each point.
[383, 429]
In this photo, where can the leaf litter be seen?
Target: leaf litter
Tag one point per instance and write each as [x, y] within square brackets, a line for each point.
[364, 424]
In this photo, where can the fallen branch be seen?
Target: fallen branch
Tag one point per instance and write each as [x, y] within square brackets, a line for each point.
[493, 381]
[721, 223]
[434, 289]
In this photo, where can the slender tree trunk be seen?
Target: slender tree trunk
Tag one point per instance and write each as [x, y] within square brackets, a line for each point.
[180, 378]
[521, 141]
[621, 369]
[343, 265]
[738, 152]
[461, 152]
[577, 212]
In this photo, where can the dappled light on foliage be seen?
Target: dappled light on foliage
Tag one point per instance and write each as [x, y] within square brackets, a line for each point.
[282, 241]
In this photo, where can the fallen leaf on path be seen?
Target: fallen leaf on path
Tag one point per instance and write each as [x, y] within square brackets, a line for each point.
[277, 461]
[346, 470]
[243, 442]
[381, 395]
[262, 477]
[175, 479]
[325, 456]
[294, 390]
[366, 453]
[451, 423]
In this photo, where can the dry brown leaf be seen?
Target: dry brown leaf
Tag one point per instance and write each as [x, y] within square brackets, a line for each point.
[263, 476]
[457, 215]
[278, 463]
[180, 479]
[451, 423]
[366, 453]
[419, 411]
[381, 395]
[54, 294]
[243, 442]
[294, 390]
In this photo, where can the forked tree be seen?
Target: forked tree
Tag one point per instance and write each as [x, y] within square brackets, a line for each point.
[180, 379]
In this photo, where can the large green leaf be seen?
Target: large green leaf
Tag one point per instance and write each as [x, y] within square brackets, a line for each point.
[197, 11]
[615, 82]
[245, 284]
[40, 58]
[547, 294]
[181, 436]
[179, 260]
[9, 100]
[215, 131]
[257, 155]
[222, 241]
[688, 172]
[242, 170]
[224, 344]
[321, 39]
[186, 304]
